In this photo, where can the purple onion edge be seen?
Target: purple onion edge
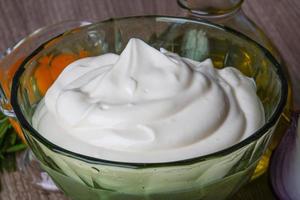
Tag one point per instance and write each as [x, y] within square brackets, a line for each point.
[279, 161]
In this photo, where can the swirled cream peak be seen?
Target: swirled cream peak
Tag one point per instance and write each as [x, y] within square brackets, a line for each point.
[148, 106]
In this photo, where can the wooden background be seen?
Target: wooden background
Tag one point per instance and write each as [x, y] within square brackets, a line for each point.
[280, 19]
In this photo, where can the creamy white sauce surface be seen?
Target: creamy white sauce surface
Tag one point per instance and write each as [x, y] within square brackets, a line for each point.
[148, 106]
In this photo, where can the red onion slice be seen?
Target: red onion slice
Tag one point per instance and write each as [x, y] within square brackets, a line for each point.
[285, 164]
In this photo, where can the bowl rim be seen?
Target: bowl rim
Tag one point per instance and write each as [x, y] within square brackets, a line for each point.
[256, 135]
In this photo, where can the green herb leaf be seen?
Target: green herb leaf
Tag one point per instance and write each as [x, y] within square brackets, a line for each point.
[13, 138]
[17, 147]
[3, 128]
[10, 143]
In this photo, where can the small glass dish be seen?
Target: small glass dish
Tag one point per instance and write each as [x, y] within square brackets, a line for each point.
[214, 176]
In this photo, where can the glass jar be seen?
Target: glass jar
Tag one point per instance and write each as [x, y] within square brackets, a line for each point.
[230, 14]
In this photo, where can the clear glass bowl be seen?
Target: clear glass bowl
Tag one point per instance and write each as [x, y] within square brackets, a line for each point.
[214, 176]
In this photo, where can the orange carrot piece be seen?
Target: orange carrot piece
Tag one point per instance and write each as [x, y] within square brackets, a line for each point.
[59, 63]
[6, 83]
[17, 128]
[83, 54]
[45, 60]
[6, 78]
[43, 78]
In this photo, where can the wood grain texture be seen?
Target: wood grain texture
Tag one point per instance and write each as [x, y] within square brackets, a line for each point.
[280, 19]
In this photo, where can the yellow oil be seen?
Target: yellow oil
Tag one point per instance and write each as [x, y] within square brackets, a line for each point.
[281, 128]
[244, 61]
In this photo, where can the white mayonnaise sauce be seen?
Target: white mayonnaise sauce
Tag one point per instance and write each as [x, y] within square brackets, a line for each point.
[148, 106]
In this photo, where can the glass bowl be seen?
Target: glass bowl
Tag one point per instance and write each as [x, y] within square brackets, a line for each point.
[214, 176]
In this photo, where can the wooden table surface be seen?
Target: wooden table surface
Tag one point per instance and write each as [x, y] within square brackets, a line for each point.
[280, 19]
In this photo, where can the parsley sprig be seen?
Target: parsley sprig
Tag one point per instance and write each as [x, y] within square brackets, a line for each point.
[10, 144]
